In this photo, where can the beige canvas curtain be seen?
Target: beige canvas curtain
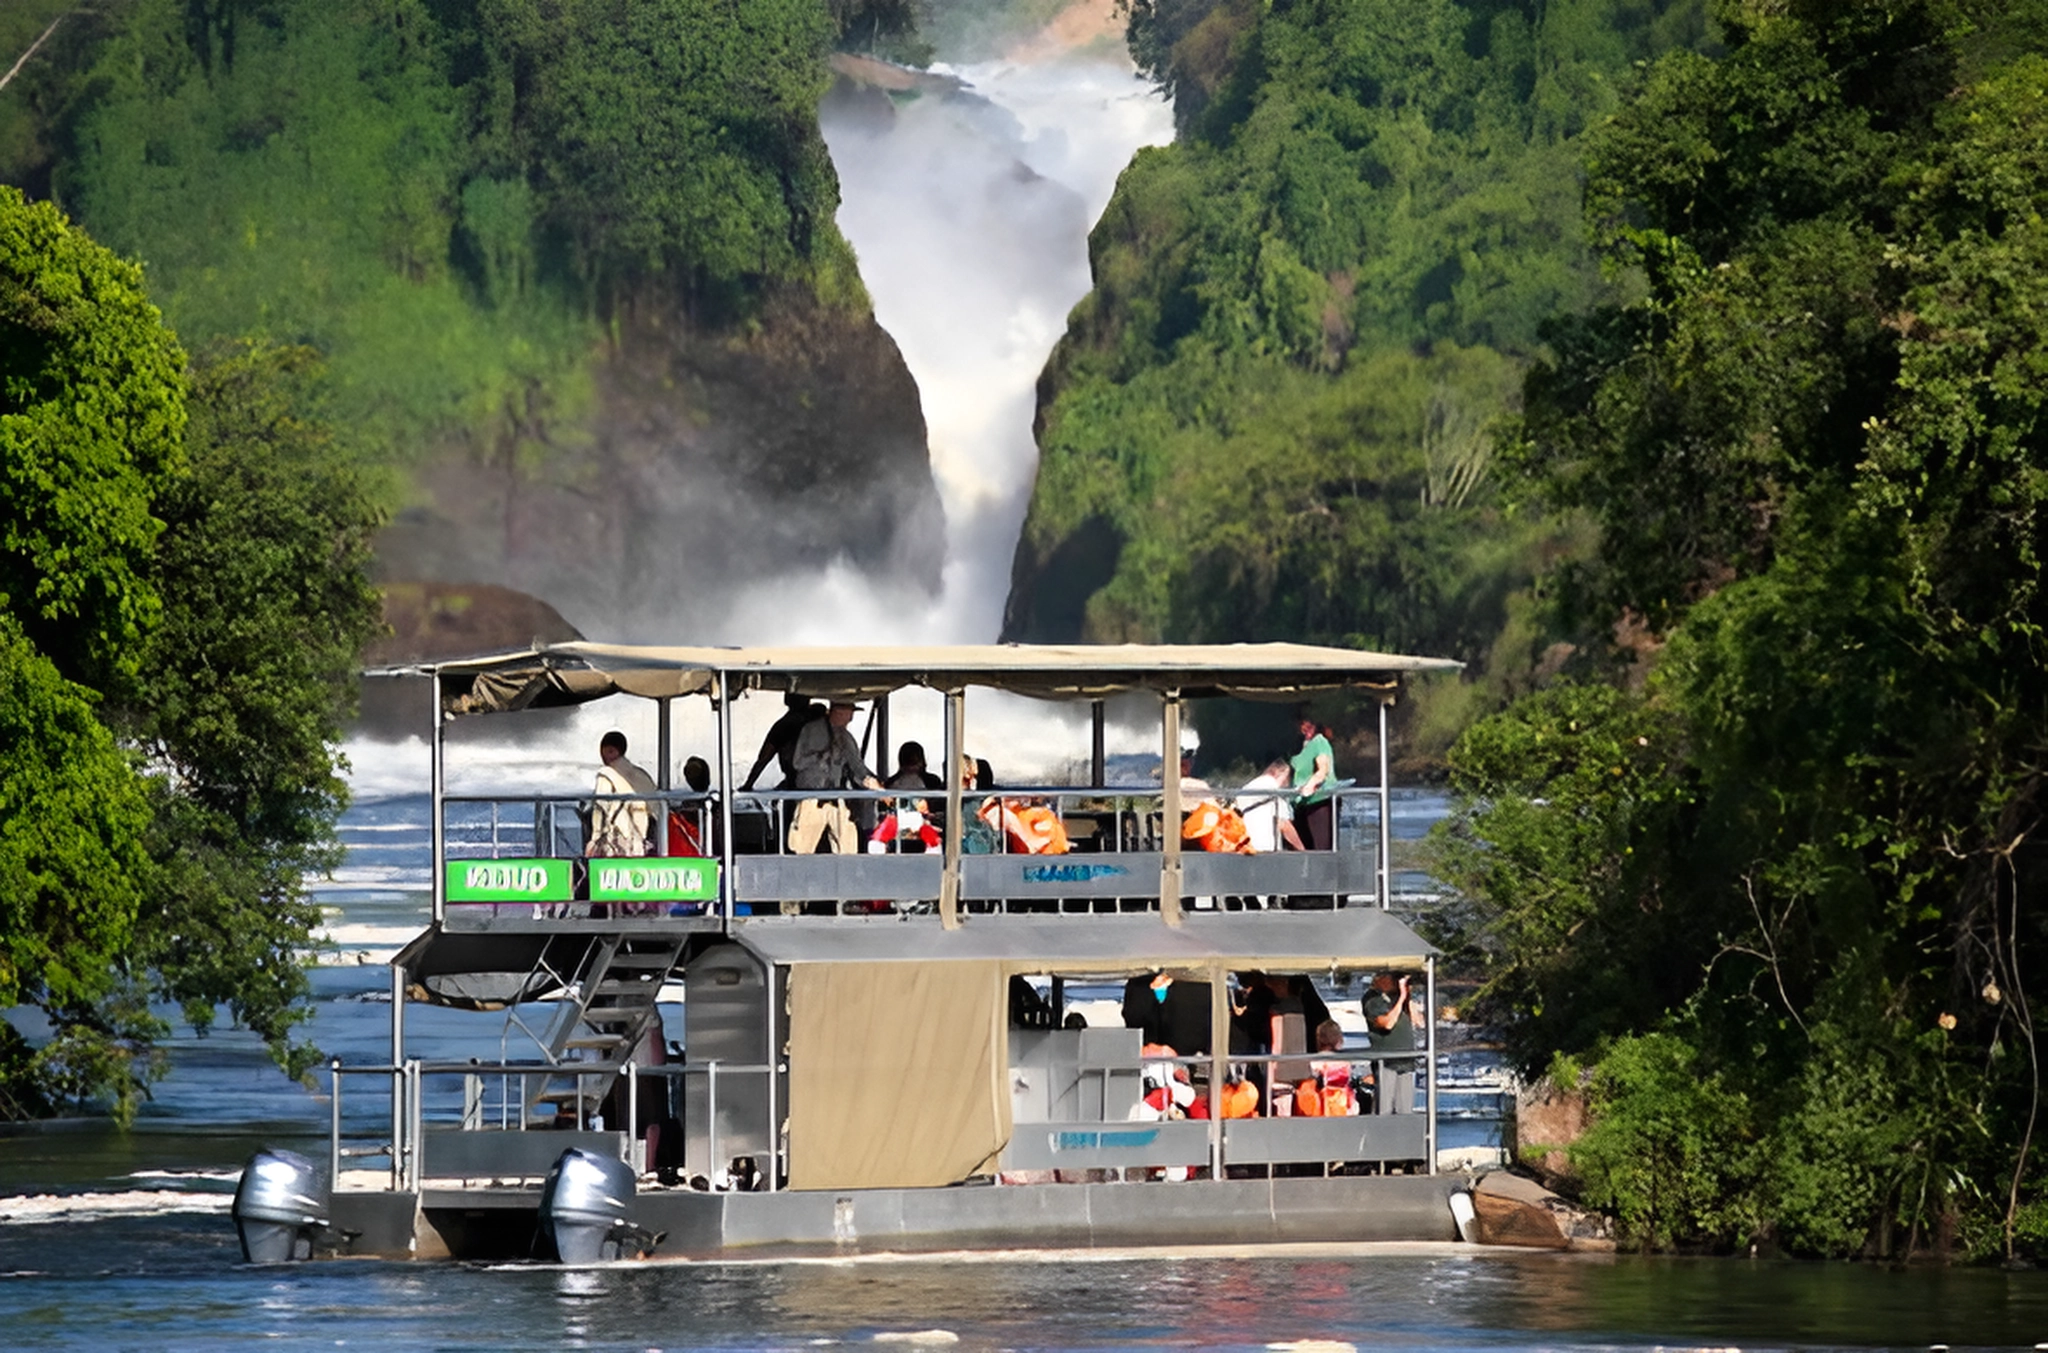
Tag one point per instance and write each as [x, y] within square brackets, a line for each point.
[898, 1073]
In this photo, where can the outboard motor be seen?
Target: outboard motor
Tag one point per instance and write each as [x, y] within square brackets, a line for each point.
[279, 1205]
[585, 1211]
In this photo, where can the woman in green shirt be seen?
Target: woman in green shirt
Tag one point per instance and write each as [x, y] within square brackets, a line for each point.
[1314, 769]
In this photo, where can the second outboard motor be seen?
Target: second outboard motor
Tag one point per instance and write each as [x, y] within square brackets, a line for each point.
[280, 1204]
[585, 1210]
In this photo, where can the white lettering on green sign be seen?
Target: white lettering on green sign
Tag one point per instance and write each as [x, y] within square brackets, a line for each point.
[652, 881]
[506, 878]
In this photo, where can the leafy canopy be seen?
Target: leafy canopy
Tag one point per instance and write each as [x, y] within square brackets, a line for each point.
[164, 787]
[1814, 452]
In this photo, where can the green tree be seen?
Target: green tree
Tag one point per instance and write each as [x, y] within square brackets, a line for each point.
[1814, 454]
[264, 572]
[210, 578]
[92, 411]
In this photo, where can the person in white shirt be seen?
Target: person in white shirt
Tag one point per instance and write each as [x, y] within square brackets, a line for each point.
[622, 826]
[1268, 817]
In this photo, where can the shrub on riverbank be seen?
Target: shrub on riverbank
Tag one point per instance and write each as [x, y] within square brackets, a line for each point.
[1817, 455]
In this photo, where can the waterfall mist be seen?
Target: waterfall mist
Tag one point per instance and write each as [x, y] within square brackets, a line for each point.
[969, 211]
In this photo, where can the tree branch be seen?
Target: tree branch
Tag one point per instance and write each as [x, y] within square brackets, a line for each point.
[15, 69]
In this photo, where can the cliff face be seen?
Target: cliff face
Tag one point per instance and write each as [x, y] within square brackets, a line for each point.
[708, 457]
[472, 212]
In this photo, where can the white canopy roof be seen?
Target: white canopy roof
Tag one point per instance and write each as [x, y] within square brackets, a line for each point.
[569, 673]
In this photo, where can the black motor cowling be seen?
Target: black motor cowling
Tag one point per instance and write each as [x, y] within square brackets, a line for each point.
[586, 1207]
[280, 1205]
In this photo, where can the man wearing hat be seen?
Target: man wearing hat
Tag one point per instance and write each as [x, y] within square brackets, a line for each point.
[827, 757]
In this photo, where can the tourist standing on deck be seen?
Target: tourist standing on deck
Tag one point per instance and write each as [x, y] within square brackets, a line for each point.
[1268, 818]
[827, 757]
[798, 713]
[1390, 1027]
[620, 826]
[1314, 768]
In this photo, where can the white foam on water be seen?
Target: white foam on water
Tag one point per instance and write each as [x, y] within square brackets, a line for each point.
[215, 1176]
[44, 1208]
[356, 876]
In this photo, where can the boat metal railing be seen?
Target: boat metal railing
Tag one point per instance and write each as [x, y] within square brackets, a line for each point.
[429, 1101]
[468, 1120]
[1115, 838]
[1202, 1139]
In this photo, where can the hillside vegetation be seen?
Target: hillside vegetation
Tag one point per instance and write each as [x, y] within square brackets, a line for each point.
[1772, 879]
[1273, 416]
[449, 200]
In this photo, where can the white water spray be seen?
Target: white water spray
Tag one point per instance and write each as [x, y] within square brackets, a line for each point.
[970, 215]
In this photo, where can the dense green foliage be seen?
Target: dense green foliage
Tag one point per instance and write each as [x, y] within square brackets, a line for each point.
[91, 415]
[264, 574]
[1815, 454]
[446, 199]
[187, 593]
[1318, 302]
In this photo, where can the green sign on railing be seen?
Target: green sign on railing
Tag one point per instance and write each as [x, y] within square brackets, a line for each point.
[658, 880]
[509, 881]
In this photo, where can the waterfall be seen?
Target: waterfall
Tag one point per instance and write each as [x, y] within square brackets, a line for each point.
[970, 213]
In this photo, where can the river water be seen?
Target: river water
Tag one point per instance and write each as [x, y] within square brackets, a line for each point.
[122, 1240]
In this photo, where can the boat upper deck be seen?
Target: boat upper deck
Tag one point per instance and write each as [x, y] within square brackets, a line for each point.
[728, 855]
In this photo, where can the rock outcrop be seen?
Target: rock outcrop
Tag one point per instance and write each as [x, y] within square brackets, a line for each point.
[429, 621]
[1509, 1209]
[708, 456]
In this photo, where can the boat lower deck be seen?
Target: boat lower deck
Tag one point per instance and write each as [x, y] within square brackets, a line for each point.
[498, 1223]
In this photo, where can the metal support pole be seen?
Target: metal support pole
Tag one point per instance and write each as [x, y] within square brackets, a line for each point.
[636, 1146]
[439, 806]
[664, 754]
[774, 1087]
[1429, 1056]
[398, 1110]
[1386, 861]
[1098, 759]
[881, 762]
[956, 810]
[334, 1124]
[663, 757]
[1169, 813]
[415, 1136]
[1219, 1054]
[721, 696]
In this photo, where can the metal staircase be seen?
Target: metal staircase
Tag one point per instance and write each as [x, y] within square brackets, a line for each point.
[604, 1013]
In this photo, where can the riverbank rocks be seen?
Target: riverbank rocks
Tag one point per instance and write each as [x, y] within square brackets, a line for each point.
[1510, 1209]
[429, 621]
[1548, 1119]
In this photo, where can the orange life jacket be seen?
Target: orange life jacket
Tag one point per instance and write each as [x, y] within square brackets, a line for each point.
[1032, 829]
[1240, 1100]
[1308, 1100]
[1215, 828]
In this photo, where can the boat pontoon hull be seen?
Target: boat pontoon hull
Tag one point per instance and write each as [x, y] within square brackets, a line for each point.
[497, 1223]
